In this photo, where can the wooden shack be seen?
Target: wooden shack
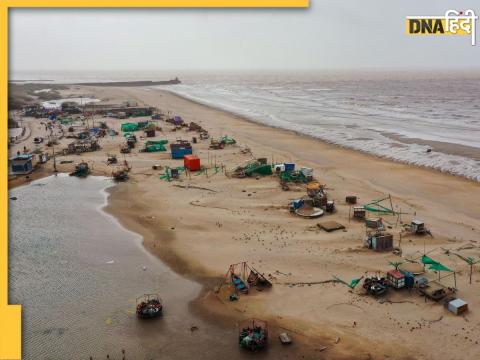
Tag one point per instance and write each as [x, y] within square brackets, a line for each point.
[380, 242]
[359, 212]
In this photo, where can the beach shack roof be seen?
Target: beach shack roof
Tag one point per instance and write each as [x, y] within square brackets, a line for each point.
[21, 157]
[21, 164]
[395, 274]
[457, 306]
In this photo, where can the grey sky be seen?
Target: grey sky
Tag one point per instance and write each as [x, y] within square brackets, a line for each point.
[331, 34]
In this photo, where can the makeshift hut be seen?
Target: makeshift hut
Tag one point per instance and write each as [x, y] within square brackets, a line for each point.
[359, 212]
[21, 164]
[418, 227]
[374, 223]
[379, 241]
[396, 279]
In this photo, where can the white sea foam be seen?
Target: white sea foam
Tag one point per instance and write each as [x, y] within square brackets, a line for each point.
[362, 114]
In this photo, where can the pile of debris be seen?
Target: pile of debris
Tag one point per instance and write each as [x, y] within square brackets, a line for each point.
[131, 140]
[375, 285]
[220, 143]
[81, 146]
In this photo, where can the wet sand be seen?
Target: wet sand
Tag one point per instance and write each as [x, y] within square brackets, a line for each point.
[198, 233]
[440, 146]
[78, 280]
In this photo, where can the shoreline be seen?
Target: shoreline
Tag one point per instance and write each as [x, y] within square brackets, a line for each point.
[339, 146]
[247, 219]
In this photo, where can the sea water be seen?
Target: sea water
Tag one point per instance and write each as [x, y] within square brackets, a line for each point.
[429, 119]
[77, 273]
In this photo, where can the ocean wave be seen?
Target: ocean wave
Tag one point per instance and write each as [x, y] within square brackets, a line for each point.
[357, 116]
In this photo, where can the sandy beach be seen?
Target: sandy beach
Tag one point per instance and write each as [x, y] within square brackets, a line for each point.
[201, 224]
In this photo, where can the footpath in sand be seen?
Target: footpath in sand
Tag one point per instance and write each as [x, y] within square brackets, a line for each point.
[201, 224]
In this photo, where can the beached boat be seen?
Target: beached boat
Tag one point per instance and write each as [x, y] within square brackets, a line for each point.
[149, 306]
[253, 334]
[81, 170]
[120, 175]
[239, 284]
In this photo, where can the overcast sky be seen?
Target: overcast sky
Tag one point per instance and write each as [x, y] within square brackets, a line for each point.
[331, 34]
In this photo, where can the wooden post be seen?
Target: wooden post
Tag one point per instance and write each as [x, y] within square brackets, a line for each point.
[471, 270]
[54, 159]
[455, 279]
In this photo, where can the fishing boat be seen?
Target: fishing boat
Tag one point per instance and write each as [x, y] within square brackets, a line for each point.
[239, 284]
[81, 170]
[120, 175]
[253, 334]
[149, 306]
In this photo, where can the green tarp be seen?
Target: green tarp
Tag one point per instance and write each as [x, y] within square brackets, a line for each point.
[426, 260]
[434, 265]
[439, 267]
[354, 283]
[293, 176]
[227, 140]
[156, 142]
[376, 207]
[154, 146]
[128, 127]
[260, 169]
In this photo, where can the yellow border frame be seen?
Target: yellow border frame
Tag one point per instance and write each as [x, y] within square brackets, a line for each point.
[10, 315]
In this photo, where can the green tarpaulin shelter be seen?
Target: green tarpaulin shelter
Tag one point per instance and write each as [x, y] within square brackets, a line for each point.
[439, 267]
[376, 207]
[128, 127]
[260, 169]
[154, 146]
[434, 265]
[354, 282]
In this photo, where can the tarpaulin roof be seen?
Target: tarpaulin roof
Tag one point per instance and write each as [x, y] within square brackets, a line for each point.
[434, 265]
[129, 127]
